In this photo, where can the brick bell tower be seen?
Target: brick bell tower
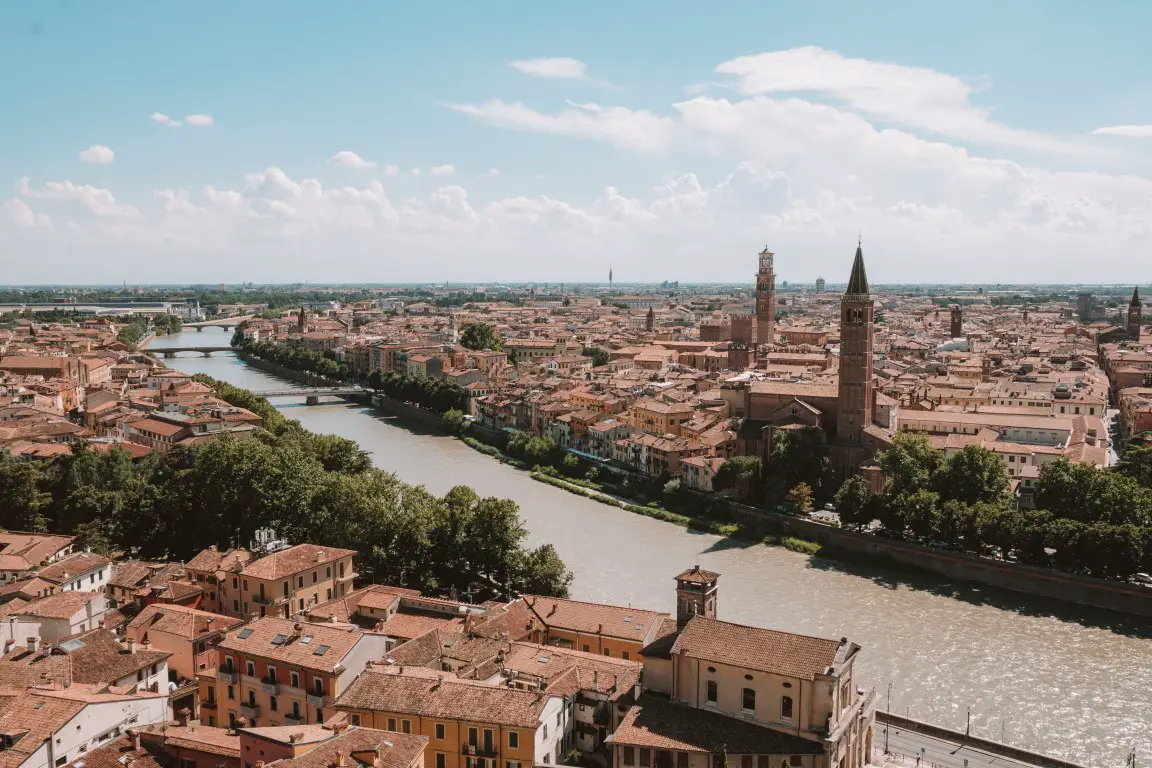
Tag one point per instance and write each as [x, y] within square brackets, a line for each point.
[766, 299]
[855, 393]
[1135, 311]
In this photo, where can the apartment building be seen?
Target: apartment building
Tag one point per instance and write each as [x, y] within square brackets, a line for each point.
[273, 671]
[606, 630]
[468, 725]
[186, 633]
[210, 570]
[21, 552]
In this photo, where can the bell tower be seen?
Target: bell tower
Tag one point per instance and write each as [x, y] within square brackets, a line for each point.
[1135, 311]
[855, 390]
[696, 595]
[957, 321]
[766, 299]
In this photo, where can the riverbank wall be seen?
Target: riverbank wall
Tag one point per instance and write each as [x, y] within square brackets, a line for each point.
[405, 411]
[300, 377]
[1068, 587]
[985, 745]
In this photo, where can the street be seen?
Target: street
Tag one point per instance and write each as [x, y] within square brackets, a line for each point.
[904, 747]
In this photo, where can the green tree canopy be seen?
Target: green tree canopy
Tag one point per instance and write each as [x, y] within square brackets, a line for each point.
[480, 336]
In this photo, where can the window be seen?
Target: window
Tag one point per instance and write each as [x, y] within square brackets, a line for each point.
[406, 726]
[273, 704]
[681, 760]
[295, 677]
[318, 685]
[513, 740]
[748, 700]
[341, 570]
[745, 761]
[474, 736]
[286, 590]
[586, 648]
[547, 758]
[234, 582]
[296, 710]
[319, 715]
[545, 731]
[607, 651]
[329, 593]
[250, 669]
[251, 697]
[328, 572]
[313, 577]
[301, 603]
[712, 692]
[629, 755]
[236, 605]
[300, 582]
[786, 707]
[645, 758]
[439, 760]
[245, 585]
[231, 693]
[762, 761]
[391, 723]
[354, 719]
[624, 655]
[272, 675]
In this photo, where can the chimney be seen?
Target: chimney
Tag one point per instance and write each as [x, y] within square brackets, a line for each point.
[595, 680]
[636, 689]
[131, 645]
[136, 740]
[184, 713]
[339, 760]
[32, 642]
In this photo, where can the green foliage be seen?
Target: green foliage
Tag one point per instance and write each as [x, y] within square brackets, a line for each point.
[798, 456]
[296, 358]
[800, 496]
[439, 395]
[480, 336]
[741, 473]
[855, 502]
[599, 355]
[454, 419]
[132, 333]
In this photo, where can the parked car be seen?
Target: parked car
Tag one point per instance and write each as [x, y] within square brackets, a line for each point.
[1142, 578]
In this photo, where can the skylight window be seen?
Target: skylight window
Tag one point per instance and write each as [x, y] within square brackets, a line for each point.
[320, 650]
[244, 634]
[280, 639]
[305, 639]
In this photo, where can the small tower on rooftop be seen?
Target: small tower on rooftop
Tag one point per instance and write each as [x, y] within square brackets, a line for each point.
[696, 594]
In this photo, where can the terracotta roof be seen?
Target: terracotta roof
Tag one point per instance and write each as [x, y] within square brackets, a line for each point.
[695, 575]
[201, 738]
[101, 659]
[121, 752]
[129, 573]
[35, 718]
[182, 621]
[382, 749]
[73, 566]
[446, 698]
[62, 605]
[408, 625]
[594, 618]
[293, 560]
[767, 650]
[318, 646]
[657, 724]
[212, 559]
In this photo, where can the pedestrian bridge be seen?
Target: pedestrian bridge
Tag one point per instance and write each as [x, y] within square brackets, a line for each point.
[226, 323]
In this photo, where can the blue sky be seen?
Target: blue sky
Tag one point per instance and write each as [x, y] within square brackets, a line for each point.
[671, 139]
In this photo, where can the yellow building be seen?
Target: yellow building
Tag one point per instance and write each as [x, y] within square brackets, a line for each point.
[660, 418]
[607, 630]
[469, 725]
[285, 583]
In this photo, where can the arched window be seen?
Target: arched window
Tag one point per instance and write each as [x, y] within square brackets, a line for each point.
[712, 694]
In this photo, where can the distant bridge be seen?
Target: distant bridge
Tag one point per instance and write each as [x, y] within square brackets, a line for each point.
[227, 323]
[171, 351]
[312, 395]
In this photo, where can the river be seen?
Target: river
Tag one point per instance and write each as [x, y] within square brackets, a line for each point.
[1056, 678]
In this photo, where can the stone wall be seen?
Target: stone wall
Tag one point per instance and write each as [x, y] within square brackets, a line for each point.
[1084, 590]
[992, 747]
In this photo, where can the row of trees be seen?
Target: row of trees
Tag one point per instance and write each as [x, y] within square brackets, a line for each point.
[1086, 520]
[296, 358]
[308, 487]
[439, 395]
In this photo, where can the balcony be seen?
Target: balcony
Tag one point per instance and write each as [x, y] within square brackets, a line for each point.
[349, 576]
[480, 750]
[228, 675]
[268, 600]
[269, 685]
[208, 705]
[294, 719]
[317, 699]
[250, 711]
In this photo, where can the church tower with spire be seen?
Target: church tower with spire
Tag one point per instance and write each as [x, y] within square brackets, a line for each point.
[1135, 312]
[854, 413]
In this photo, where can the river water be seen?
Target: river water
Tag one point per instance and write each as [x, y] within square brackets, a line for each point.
[1060, 679]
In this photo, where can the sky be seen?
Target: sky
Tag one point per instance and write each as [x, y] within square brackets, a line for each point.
[290, 141]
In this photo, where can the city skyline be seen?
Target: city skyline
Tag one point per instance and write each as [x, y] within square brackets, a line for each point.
[353, 145]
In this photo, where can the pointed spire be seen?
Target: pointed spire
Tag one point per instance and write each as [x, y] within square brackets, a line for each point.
[858, 282]
[1135, 297]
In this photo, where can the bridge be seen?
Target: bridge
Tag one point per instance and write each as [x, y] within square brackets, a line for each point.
[227, 323]
[312, 395]
[171, 351]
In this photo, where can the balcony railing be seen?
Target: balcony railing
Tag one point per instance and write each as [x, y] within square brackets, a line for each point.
[250, 710]
[480, 750]
[317, 699]
[294, 719]
[270, 686]
[208, 704]
[267, 599]
[227, 675]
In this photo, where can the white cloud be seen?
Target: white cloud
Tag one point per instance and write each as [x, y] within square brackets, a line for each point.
[916, 97]
[624, 128]
[97, 154]
[18, 212]
[391, 170]
[97, 200]
[204, 121]
[350, 159]
[558, 67]
[163, 119]
[443, 170]
[491, 172]
[414, 172]
[1131, 131]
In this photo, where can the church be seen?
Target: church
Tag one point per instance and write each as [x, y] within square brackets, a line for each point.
[855, 423]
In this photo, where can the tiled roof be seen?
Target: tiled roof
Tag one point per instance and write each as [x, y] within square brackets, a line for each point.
[409, 625]
[382, 749]
[317, 647]
[293, 560]
[101, 659]
[695, 575]
[121, 752]
[212, 559]
[62, 605]
[182, 621]
[594, 618]
[201, 738]
[592, 672]
[129, 573]
[72, 567]
[36, 718]
[445, 698]
[657, 724]
[767, 650]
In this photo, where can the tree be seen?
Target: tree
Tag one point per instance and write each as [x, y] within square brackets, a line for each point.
[741, 473]
[492, 539]
[1087, 494]
[973, 474]
[24, 498]
[798, 456]
[542, 572]
[800, 496]
[91, 537]
[1136, 462]
[480, 336]
[855, 502]
[454, 419]
[910, 464]
[599, 355]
